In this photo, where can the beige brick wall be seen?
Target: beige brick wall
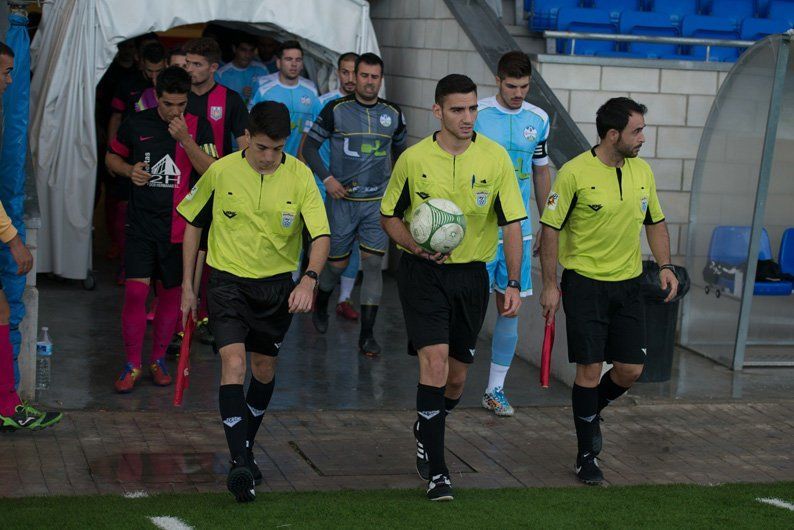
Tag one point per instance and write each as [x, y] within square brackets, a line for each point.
[421, 42]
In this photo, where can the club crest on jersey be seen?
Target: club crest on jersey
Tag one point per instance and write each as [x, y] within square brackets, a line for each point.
[305, 101]
[530, 133]
[385, 120]
[551, 202]
[644, 205]
[216, 113]
[481, 198]
[287, 218]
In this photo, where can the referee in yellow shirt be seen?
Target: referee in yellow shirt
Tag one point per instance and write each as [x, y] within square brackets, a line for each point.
[592, 220]
[259, 200]
[445, 297]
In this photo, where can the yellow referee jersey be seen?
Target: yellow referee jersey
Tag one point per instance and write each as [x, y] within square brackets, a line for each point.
[257, 220]
[600, 211]
[481, 181]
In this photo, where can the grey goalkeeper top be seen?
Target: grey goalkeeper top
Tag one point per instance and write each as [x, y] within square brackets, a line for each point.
[364, 140]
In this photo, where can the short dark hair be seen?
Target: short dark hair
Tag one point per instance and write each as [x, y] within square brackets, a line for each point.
[174, 80]
[370, 59]
[207, 47]
[288, 45]
[615, 113]
[153, 52]
[454, 84]
[245, 38]
[6, 50]
[349, 56]
[514, 64]
[270, 118]
[174, 51]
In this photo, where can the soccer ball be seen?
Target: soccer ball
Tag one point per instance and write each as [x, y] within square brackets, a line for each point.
[438, 225]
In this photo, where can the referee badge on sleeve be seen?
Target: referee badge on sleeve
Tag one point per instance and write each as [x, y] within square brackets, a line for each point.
[287, 218]
[644, 205]
[551, 202]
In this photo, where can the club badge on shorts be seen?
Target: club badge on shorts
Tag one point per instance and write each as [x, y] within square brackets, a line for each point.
[385, 120]
[216, 113]
[481, 198]
[644, 205]
[287, 218]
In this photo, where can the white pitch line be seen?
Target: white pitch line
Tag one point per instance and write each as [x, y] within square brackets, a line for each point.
[140, 494]
[170, 523]
[777, 503]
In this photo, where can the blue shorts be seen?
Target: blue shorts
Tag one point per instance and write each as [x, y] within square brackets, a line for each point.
[351, 220]
[497, 270]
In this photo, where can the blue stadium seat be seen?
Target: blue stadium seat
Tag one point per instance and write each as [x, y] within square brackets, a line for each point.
[781, 10]
[786, 256]
[703, 27]
[616, 7]
[543, 13]
[735, 10]
[729, 246]
[676, 9]
[653, 24]
[758, 28]
[585, 21]
[761, 8]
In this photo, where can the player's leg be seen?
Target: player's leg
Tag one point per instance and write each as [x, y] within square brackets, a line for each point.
[343, 228]
[503, 342]
[586, 305]
[169, 291]
[344, 306]
[14, 414]
[140, 262]
[373, 242]
[268, 321]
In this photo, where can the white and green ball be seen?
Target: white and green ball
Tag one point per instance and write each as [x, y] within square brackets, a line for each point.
[438, 225]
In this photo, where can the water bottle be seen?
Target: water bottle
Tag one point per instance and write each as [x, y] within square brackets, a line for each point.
[43, 358]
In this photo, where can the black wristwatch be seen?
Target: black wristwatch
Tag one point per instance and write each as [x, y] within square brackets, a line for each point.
[515, 284]
[313, 276]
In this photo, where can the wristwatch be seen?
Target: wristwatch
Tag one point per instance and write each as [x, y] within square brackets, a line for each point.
[313, 275]
[515, 284]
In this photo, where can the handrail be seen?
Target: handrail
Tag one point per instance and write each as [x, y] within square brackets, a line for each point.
[689, 41]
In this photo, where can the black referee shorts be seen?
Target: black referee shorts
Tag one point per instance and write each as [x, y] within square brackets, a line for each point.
[443, 304]
[158, 260]
[254, 312]
[605, 321]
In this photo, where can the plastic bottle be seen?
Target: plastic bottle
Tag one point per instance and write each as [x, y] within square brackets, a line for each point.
[43, 359]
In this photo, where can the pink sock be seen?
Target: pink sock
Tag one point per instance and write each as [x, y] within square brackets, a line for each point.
[165, 319]
[133, 320]
[8, 395]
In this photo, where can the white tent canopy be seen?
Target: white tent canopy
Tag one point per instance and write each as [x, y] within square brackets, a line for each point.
[76, 43]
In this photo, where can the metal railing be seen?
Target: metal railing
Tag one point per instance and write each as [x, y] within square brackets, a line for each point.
[685, 41]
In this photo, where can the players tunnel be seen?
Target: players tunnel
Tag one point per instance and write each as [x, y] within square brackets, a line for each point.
[740, 244]
[76, 44]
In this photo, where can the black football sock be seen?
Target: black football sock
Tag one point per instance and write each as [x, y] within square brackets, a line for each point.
[608, 391]
[430, 409]
[450, 404]
[231, 400]
[585, 416]
[257, 400]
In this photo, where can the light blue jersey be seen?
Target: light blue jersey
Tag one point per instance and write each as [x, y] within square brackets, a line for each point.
[238, 79]
[301, 100]
[523, 133]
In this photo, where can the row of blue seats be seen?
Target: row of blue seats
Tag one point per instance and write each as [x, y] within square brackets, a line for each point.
[585, 20]
[728, 248]
[544, 13]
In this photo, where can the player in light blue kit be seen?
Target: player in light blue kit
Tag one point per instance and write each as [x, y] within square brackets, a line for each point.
[243, 72]
[289, 88]
[523, 130]
[345, 69]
